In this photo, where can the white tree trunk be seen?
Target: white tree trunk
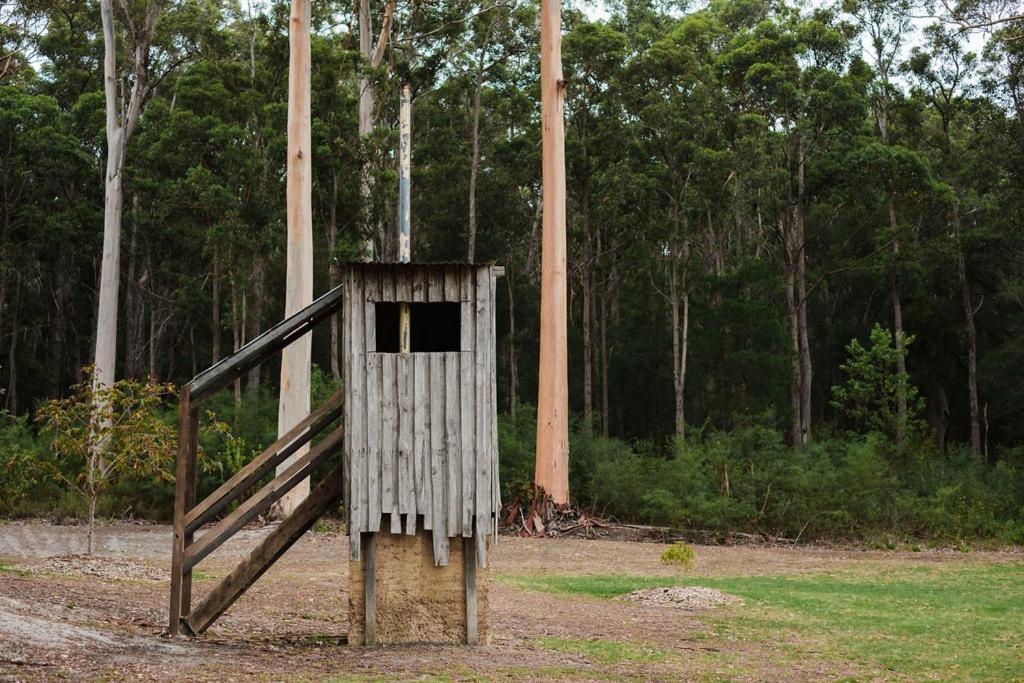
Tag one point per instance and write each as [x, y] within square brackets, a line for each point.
[110, 267]
[296, 358]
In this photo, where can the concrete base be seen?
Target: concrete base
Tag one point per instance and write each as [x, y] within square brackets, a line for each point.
[416, 601]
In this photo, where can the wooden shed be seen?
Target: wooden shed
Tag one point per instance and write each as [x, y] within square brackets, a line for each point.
[421, 443]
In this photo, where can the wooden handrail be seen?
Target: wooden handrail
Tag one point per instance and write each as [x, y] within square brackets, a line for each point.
[265, 345]
[261, 501]
[262, 464]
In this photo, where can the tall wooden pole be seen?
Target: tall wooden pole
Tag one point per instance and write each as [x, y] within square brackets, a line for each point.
[295, 359]
[552, 468]
[404, 206]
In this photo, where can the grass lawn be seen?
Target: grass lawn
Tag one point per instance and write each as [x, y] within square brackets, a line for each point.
[953, 621]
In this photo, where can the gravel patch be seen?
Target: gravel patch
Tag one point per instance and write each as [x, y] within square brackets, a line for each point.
[689, 598]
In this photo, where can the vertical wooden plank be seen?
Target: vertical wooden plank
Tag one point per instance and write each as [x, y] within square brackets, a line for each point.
[388, 434]
[403, 283]
[387, 284]
[482, 431]
[406, 428]
[346, 369]
[190, 500]
[468, 551]
[419, 283]
[370, 589]
[178, 539]
[467, 396]
[451, 284]
[453, 442]
[373, 441]
[436, 279]
[492, 409]
[421, 437]
[369, 311]
[438, 463]
[357, 432]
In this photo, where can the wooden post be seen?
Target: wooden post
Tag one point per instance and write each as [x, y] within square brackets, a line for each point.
[552, 464]
[184, 499]
[472, 620]
[295, 360]
[405, 207]
[370, 588]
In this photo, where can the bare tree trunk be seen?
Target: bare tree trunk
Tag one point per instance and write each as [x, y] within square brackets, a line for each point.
[552, 466]
[11, 397]
[513, 372]
[333, 274]
[296, 358]
[603, 322]
[679, 298]
[373, 56]
[256, 317]
[237, 327]
[474, 165]
[587, 317]
[897, 316]
[118, 132]
[154, 312]
[216, 324]
[972, 334]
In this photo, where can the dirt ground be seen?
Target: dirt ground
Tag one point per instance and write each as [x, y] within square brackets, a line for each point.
[103, 619]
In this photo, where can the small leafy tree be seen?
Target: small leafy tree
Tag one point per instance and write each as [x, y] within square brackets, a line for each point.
[132, 439]
[869, 396]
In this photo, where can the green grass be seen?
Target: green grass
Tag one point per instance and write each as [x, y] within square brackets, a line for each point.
[959, 622]
[6, 568]
[605, 651]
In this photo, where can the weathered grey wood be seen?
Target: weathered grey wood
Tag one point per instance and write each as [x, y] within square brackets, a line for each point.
[346, 367]
[421, 437]
[261, 501]
[467, 394]
[438, 462]
[388, 433]
[472, 619]
[403, 284]
[370, 589]
[370, 327]
[406, 470]
[265, 345]
[419, 283]
[483, 394]
[357, 426]
[452, 290]
[320, 501]
[373, 440]
[435, 276]
[190, 500]
[264, 463]
[453, 443]
[492, 410]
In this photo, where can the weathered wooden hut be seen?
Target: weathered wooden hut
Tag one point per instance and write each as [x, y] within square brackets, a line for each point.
[421, 442]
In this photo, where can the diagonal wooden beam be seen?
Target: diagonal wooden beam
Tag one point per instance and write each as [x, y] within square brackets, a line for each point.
[261, 501]
[326, 494]
[265, 462]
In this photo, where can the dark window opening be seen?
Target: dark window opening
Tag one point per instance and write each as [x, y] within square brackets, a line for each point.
[433, 327]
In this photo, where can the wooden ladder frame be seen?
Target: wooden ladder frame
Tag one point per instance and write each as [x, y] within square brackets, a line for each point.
[186, 552]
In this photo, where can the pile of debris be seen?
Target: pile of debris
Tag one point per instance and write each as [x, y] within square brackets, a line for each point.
[528, 519]
[98, 566]
[689, 598]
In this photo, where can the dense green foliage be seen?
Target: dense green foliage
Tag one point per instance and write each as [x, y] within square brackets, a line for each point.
[768, 202]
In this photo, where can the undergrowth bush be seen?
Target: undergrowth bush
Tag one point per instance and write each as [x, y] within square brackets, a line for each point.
[841, 488]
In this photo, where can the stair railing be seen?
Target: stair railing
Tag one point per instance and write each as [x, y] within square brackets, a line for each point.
[186, 551]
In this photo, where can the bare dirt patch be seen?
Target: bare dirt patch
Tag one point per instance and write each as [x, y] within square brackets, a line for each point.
[104, 617]
[689, 598]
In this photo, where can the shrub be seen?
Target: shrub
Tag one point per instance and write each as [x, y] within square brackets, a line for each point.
[679, 554]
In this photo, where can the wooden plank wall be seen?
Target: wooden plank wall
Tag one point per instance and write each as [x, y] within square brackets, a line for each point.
[422, 437]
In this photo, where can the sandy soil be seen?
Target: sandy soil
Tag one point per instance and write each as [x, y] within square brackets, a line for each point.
[104, 619]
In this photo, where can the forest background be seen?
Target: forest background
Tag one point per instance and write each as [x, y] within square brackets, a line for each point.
[795, 231]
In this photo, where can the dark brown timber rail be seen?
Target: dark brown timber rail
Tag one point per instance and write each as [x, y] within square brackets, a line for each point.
[189, 517]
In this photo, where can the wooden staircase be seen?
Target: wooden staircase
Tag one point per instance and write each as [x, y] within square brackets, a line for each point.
[187, 551]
